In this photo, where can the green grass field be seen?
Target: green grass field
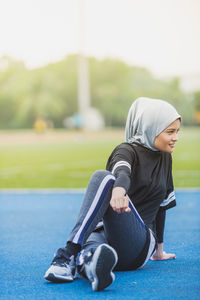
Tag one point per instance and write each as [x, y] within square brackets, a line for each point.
[69, 159]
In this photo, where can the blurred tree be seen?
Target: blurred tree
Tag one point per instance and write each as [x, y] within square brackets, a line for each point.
[50, 92]
[12, 78]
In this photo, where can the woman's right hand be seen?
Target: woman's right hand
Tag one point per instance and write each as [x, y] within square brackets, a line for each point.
[119, 202]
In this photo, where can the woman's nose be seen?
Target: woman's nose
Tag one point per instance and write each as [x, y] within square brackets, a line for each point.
[175, 137]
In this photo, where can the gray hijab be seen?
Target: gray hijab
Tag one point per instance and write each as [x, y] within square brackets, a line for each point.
[146, 119]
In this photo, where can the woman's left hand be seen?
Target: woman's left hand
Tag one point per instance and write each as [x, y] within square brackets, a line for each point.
[163, 256]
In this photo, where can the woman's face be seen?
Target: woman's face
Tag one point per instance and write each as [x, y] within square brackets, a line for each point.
[166, 140]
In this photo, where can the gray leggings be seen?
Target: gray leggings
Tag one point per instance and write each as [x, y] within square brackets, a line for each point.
[125, 232]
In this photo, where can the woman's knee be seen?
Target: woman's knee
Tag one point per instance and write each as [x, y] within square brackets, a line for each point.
[101, 174]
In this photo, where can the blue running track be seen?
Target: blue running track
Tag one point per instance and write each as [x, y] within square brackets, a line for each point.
[34, 224]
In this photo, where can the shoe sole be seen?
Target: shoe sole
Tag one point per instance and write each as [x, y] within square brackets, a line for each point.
[56, 278]
[104, 260]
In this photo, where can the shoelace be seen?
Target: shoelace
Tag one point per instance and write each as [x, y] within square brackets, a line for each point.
[88, 257]
[61, 264]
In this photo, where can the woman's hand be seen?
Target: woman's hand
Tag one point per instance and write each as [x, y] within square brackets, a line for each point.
[119, 202]
[162, 255]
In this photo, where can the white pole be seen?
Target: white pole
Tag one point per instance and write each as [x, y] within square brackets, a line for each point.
[83, 72]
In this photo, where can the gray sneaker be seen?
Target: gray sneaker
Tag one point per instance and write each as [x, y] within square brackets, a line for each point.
[99, 268]
[62, 268]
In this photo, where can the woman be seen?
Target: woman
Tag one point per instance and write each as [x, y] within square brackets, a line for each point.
[121, 221]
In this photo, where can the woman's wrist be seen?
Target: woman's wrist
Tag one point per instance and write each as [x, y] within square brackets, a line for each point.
[159, 250]
[119, 191]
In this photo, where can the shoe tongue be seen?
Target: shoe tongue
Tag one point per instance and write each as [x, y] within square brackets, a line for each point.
[62, 256]
[63, 252]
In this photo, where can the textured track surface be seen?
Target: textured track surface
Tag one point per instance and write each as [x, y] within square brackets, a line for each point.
[34, 225]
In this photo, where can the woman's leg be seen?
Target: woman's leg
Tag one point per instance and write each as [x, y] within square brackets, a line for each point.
[95, 204]
[128, 235]
[125, 232]
[96, 239]
[97, 260]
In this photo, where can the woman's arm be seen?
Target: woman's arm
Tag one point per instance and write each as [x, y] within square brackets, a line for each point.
[160, 225]
[120, 163]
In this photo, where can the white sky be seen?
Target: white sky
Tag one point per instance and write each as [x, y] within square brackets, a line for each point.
[163, 35]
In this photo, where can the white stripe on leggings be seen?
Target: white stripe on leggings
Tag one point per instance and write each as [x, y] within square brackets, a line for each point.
[132, 206]
[151, 247]
[93, 206]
